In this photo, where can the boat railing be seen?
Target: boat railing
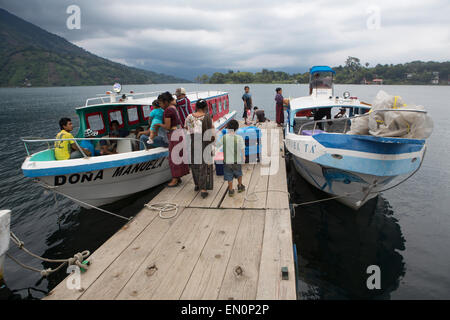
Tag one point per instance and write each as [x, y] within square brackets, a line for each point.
[346, 119]
[113, 98]
[27, 140]
[116, 98]
[196, 93]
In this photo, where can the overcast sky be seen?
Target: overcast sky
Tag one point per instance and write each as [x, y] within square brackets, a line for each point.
[187, 38]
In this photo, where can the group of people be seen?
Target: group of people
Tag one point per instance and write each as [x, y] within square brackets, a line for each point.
[171, 123]
[66, 148]
[281, 104]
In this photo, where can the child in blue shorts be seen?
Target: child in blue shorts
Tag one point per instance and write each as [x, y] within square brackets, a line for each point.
[156, 116]
[233, 156]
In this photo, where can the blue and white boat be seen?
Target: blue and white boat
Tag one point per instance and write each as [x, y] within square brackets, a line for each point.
[96, 181]
[354, 168]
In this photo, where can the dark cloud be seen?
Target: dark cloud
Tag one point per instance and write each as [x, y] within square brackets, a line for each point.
[184, 37]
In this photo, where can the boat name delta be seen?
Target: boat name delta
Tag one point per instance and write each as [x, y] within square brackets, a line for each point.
[120, 171]
[302, 146]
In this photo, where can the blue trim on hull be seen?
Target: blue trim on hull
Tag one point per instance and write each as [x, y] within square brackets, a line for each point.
[370, 144]
[376, 167]
[92, 166]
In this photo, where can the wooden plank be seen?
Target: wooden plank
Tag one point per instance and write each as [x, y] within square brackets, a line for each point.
[237, 201]
[277, 187]
[119, 272]
[169, 194]
[241, 277]
[208, 201]
[105, 255]
[164, 273]
[221, 194]
[207, 276]
[277, 252]
[256, 193]
[186, 195]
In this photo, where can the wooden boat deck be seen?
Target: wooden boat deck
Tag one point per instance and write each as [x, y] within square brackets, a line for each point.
[215, 248]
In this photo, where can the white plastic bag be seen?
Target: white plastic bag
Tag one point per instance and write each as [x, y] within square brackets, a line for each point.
[401, 124]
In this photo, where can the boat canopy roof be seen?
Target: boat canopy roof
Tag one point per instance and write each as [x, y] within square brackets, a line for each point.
[317, 69]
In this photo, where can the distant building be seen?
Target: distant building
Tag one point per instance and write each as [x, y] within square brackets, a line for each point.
[435, 79]
[377, 81]
[409, 75]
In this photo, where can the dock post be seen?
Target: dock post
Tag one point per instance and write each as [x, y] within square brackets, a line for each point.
[5, 219]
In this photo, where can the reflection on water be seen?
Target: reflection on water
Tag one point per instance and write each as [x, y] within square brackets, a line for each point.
[335, 245]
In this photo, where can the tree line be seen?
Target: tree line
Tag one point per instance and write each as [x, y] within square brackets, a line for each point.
[353, 72]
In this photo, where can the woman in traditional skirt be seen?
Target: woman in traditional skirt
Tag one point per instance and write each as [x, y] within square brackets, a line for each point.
[279, 112]
[175, 134]
[201, 162]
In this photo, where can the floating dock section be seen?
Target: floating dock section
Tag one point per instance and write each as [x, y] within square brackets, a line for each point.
[221, 247]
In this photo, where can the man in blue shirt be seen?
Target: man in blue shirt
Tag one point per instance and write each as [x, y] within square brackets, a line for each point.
[248, 103]
[89, 144]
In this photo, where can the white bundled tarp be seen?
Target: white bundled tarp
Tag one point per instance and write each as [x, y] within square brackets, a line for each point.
[398, 123]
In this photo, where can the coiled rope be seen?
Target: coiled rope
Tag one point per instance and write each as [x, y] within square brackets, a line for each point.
[163, 207]
[77, 259]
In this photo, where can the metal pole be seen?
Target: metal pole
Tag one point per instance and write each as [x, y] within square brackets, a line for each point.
[5, 221]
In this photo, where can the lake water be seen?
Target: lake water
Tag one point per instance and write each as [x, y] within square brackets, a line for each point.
[406, 231]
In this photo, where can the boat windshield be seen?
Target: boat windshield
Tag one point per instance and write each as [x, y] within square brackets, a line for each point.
[320, 80]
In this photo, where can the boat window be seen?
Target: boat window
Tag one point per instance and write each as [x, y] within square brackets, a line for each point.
[146, 112]
[133, 116]
[95, 122]
[223, 104]
[214, 108]
[210, 107]
[116, 115]
[321, 80]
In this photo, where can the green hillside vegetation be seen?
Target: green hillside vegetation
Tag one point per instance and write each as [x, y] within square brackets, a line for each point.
[31, 55]
[353, 72]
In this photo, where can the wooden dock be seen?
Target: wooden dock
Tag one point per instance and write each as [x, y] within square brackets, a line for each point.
[215, 248]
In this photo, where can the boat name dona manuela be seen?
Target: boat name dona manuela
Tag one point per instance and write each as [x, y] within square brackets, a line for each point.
[118, 172]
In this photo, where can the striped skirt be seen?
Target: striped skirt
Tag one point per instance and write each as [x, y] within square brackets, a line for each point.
[181, 169]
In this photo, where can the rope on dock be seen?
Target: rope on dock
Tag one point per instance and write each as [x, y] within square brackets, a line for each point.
[163, 207]
[77, 259]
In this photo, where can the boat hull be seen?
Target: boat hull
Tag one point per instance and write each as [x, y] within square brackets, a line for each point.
[339, 183]
[100, 187]
[354, 169]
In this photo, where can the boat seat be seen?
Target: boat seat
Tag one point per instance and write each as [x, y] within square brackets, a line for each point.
[311, 132]
[46, 155]
[124, 146]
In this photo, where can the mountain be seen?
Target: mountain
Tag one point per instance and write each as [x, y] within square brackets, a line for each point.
[30, 55]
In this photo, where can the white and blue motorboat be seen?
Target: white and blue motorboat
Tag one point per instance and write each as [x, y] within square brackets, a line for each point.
[99, 180]
[351, 166]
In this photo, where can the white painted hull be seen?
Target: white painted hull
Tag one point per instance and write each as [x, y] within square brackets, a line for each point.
[359, 190]
[109, 185]
[332, 163]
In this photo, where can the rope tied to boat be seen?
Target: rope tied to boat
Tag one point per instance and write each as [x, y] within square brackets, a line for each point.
[78, 259]
[54, 189]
